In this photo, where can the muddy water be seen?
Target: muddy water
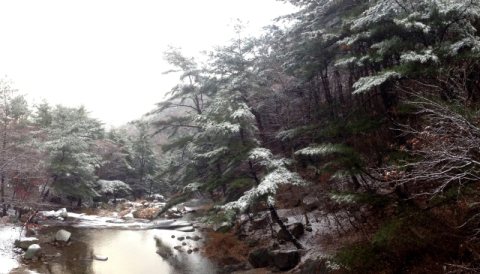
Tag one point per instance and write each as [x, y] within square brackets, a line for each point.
[127, 251]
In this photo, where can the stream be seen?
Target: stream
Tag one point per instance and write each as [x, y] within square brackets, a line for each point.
[128, 251]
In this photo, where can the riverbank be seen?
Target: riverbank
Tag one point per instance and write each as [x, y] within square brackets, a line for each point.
[130, 244]
[8, 256]
[254, 246]
[229, 246]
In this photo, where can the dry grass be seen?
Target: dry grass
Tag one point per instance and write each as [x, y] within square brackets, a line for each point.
[225, 248]
[206, 207]
[146, 213]
[123, 212]
[176, 195]
[87, 211]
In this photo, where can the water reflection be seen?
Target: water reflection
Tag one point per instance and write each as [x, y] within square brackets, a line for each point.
[127, 251]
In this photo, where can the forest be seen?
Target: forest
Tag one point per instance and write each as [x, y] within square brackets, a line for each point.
[370, 107]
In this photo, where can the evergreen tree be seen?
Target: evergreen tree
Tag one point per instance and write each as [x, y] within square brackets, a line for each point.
[142, 160]
[15, 136]
[70, 137]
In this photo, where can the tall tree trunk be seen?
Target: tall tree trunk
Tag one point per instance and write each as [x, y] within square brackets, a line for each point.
[292, 238]
[46, 195]
[338, 80]
[2, 194]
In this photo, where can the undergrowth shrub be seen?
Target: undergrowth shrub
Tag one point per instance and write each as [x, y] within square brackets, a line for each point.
[403, 242]
[225, 248]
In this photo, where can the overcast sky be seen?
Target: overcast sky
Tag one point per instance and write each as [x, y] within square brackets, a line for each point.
[107, 55]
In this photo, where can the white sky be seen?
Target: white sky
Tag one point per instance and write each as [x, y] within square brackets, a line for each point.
[107, 54]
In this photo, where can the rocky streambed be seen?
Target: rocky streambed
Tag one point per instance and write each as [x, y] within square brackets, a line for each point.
[96, 245]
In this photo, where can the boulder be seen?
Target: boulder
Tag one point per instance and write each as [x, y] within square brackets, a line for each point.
[223, 227]
[164, 251]
[13, 218]
[252, 242]
[62, 213]
[196, 238]
[259, 258]
[49, 238]
[310, 266]
[175, 215]
[252, 271]
[297, 229]
[25, 242]
[170, 224]
[260, 223]
[100, 258]
[5, 219]
[284, 259]
[115, 221]
[128, 217]
[189, 210]
[186, 229]
[62, 236]
[181, 238]
[310, 203]
[32, 251]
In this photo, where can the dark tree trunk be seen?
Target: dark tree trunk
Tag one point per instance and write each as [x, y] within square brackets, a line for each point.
[275, 217]
[46, 195]
[2, 194]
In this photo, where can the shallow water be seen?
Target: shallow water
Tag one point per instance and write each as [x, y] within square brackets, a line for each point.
[127, 251]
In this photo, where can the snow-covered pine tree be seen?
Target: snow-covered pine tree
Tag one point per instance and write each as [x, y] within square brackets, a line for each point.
[69, 138]
[175, 117]
[274, 173]
[15, 140]
[142, 159]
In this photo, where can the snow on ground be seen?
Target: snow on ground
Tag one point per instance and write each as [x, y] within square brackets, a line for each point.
[94, 221]
[8, 259]
[324, 240]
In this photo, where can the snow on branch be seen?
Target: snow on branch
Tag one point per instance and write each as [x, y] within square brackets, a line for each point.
[423, 57]
[266, 189]
[375, 14]
[222, 128]
[472, 42]
[243, 112]
[260, 153]
[369, 82]
[384, 46]
[321, 150]
[210, 154]
[266, 158]
[410, 24]
[343, 198]
[349, 40]
[291, 133]
[111, 187]
[192, 187]
[345, 62]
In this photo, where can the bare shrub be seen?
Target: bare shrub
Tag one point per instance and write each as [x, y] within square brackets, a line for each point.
[225, 248]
